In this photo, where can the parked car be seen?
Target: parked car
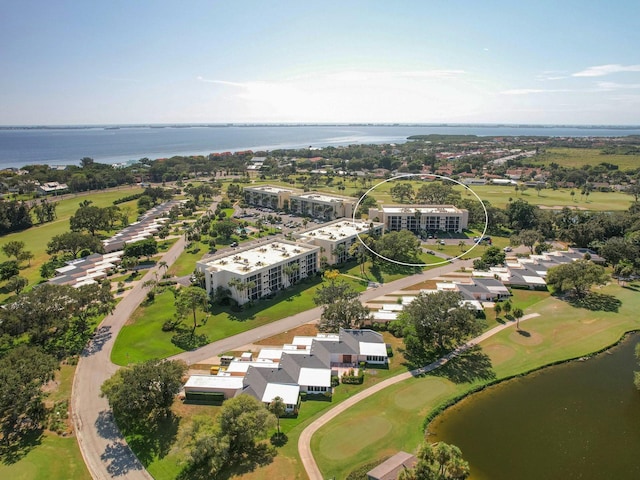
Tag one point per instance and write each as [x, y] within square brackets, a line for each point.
[507, 249]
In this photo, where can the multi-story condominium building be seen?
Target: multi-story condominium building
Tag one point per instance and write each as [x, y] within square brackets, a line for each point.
[417, 218]
[268, 196]
[313, 204]
[255, 272]
[335, 238]
[322, 205]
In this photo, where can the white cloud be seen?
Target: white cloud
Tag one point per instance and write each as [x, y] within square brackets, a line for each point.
[602, 70]
[355, 95]
[617, 86]
[531, 91]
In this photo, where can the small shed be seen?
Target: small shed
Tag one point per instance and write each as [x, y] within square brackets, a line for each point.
[391, 468]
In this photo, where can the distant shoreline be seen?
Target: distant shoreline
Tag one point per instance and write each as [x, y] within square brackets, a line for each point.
[289, 125]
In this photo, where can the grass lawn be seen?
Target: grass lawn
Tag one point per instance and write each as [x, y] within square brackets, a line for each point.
[577, 157]
[142, 338]
[599, 201]
[55, 458]
[185, 264]
[37, 237]
[392, 419]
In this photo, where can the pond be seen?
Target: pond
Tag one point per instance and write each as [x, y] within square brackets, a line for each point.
[579, 420]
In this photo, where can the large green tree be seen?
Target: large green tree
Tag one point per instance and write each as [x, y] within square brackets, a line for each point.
[402, 192]
[437, 462]
[576, 277]
[13, 248]
[242, 421]
[23, 371]
[522, 215]
[343, 313]
[89, 217]
[74, 243]
[56, 317]
[437, 193]
[402, 246]
[528, 238]
[144, 393]
[141, 248]
[437, 322]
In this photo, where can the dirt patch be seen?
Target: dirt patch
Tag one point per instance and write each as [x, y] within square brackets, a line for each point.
[426, 285]
[499, 353]
[308, 329]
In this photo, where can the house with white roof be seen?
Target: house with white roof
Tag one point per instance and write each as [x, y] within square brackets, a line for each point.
[305, 366]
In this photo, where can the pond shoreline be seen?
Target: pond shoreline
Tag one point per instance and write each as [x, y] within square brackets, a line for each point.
[443, 407]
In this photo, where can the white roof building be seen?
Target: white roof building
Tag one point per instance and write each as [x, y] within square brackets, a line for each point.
[257, 271]
[337, 237]
[417, 218]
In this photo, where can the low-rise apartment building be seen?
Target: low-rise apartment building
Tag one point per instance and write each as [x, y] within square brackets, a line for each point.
[258, 271]
[335, 238]
[313, 204]
[417, 218]
[322, 205]
[269, 196]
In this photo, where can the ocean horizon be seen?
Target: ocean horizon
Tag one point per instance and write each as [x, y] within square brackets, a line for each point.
[67, 144]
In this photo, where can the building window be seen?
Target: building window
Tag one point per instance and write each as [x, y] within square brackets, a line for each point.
[376, 358]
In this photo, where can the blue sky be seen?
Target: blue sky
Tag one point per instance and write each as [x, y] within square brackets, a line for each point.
[71, 62]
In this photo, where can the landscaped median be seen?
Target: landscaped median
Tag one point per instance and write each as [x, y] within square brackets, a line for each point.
[392, 419]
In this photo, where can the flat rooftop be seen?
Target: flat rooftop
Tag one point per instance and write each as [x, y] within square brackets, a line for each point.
[269, 189]
[259, 257]
[338, 230]
[322, 197]
[421, 209]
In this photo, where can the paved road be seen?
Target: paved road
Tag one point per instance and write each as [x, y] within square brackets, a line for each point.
[104, 450]
[304, 442]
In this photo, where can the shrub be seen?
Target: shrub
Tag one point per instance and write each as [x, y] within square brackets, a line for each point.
[189, 341]
[389, 351]
[335, 381]
[352, 379]
[396, 328]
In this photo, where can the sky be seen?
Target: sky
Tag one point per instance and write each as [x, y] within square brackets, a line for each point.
[376, 61]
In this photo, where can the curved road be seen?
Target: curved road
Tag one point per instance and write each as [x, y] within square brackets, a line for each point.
[104, 450]
[304, 442]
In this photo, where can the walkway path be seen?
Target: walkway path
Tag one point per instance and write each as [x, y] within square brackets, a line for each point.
[304, 442]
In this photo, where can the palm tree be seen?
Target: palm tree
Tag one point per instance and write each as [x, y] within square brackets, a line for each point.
[506, 307]
[462, 245]
[162, 264]
[278, 408]
[518, 314]
[498, 309]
